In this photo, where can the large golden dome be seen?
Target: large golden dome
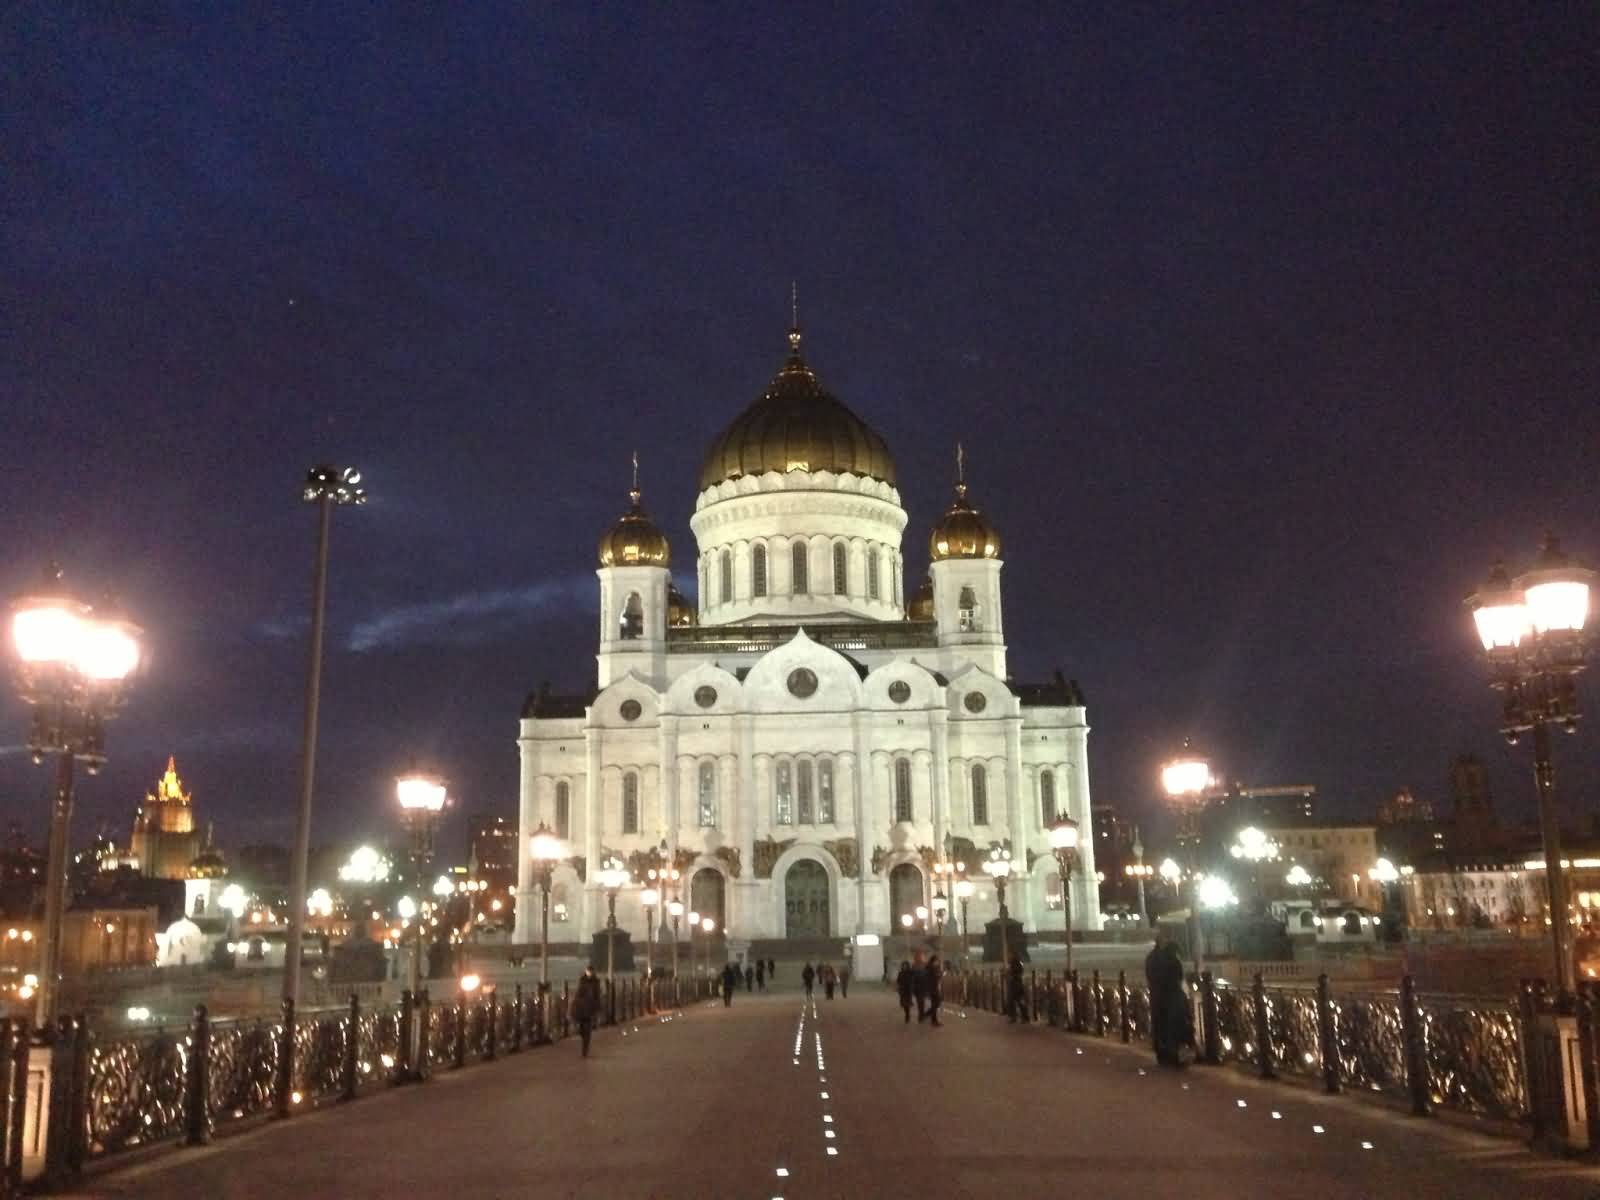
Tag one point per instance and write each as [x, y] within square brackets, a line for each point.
[963, 532]
[634, 541]
[796, 425]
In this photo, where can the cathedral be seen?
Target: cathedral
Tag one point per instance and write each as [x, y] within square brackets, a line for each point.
[809, 744]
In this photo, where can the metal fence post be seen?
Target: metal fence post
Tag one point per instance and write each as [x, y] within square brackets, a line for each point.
[463, 1015]
[1532, 1060]
[197, 1081]
[402, 1058]
[1074, 1004]
[1263, 1030]
[491, 1043]
[1416, 1049]
[516, 1021]
[422, 1014]
[350, 1065]
[1211, 1032]
[1099, 1005]
[284, 1084]
[1122, 1007]
[14, 1040]
[566, 1008]
[1327, 1037]
[78, 1101]
[1587, 1005]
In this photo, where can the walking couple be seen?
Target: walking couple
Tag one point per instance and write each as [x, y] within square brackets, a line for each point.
[921, 982]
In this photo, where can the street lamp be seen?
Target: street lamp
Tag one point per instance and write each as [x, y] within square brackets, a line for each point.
[906, 920]
[941, 909]
[1140, 871]
[546, 850]
[1064, 844]
[649, 897]
[72, 667]
[1533, 630]
[612, 875]
[708, 926]
[694, 960]
[1297, 877]
[326, 487]
[1185, 780]
[422, 798]
[998, 867]
[964, 890]
[675, 910]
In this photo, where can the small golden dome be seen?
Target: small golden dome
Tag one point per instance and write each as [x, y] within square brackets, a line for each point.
[796, 425]
[962, 532]
[680, 613]
[634, 541]
[921, 607]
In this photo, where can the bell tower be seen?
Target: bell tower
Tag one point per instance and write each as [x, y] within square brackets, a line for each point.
[634, 584]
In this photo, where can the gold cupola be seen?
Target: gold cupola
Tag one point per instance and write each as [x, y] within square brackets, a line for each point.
[796, 425]
[963, 532]
[634, 541]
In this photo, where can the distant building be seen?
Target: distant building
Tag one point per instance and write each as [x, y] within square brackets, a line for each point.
[1113, 837]
[1283, 804]
[1442, 894]
[1409, 831]
[1341, 854]
[164, 838]
[492, 849]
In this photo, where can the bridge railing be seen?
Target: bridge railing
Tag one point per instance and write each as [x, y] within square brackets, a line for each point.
[111, 1096]
[1461, 1054]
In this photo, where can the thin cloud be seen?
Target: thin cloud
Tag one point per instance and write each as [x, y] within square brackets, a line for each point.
[471, 616]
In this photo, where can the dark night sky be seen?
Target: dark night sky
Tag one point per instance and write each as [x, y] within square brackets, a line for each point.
[1266, 332]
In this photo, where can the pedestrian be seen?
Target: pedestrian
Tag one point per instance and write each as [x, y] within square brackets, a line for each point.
[919, 985]
[749, 978]
[903, 985]
[772, 970]
[761, 974]
[844, 980]
[1016, 1004]
[586, 1005]
[808, 977]
[935, 974]
[829, 980]
[1171, 1024]
[730, 980]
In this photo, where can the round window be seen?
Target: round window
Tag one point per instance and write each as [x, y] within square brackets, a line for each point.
[976, 702]
[899, 691]
[631, 710]
[705, 695]
[802, 682]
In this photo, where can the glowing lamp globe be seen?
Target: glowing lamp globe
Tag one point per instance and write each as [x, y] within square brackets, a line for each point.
[613, 875]
[420, 793]
[649, 897]
[964, 889]
[675, 908]
[1064, 834]
[906, 920]
[544, 847]
[1186, 777]
[1556, 592]
[405, 908]
[708, 925]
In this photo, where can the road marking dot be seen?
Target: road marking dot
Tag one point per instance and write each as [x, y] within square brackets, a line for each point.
[826, 1119]
[1318, 1129]
[1241, 1104]
[783, 1172]
[1366, 1145]
[1276, 1115]
[828, 1133]
[824, 1095]
[832, 1151]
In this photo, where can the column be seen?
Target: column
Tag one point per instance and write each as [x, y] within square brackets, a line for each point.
[1086, 894]
[671, 814]
[747, 809]
[941, 780]
[593, 807]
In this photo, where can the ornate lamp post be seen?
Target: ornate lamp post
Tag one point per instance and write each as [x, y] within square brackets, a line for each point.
[613, 874]
[675, 910]
[998, 868]
[649, 897]
[1185, 780]
[694, 960]
[1140, 873]
[922, 919]
[72, 668]
[964, 890]
[422, 799]
[325, 487]
[708, 926]
[1534, 634]
[1253, 846]
[941, 909]
[1064, 845]
[906, 920]
[546, 850]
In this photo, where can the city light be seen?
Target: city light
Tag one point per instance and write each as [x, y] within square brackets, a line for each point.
[233, 900]
[1298, 876]
[365, 865]
[1215, 892]
[319, 903]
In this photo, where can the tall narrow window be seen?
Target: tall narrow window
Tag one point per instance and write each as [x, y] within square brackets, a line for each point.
[968, 610]
[633, 617]
[980, 795]
[708, 795]
[802, 792]
[894, 579]
[630, 803]
[1047, 797]
[902, 789]
[758, 571]
[727, 576]
[841, 569]
[802, 581]
[783, 808]
[825, 792]
[872, 573]
[563, 810]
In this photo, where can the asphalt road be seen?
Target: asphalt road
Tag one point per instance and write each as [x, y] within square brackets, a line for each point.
[777, 1098]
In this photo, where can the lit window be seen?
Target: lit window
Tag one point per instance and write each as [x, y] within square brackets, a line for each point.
[825, 792]
[633, 617]
[783, 794]
[968, 611]
[708, 794]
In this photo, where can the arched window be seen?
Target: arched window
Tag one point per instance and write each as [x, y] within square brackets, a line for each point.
[825, 792]
[902, 789]
[758, 571]
[708, 794]
[841, 570]
[783, 795]
[872, 573]
[1047, 797]
[727, 576]
[802, 575]
[980, 794]
[630, 803]
[894, 579]
[199, 907]
[563, 810]
[802, 792]
[968, 610]
[633, 617]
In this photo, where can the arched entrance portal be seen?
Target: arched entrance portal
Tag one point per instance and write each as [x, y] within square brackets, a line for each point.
[905, 893]
[705, 896]
[805, 901]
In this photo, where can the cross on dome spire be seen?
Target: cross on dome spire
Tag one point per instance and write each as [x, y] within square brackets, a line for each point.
[794, 319]
[961, 472]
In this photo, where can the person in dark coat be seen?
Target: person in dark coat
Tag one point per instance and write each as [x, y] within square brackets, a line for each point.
[749, 979]
[586, 1006]
[829, 980]
[903, 983]
[772, 970]
[730, 980]
[808, 976]
[919, 986]
[844, 980]
[934, 974]
[1016, 1002]
[761, 974]
[1170, 1022]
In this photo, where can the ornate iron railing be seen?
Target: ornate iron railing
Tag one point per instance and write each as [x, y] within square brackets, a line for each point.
[135, 1092]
